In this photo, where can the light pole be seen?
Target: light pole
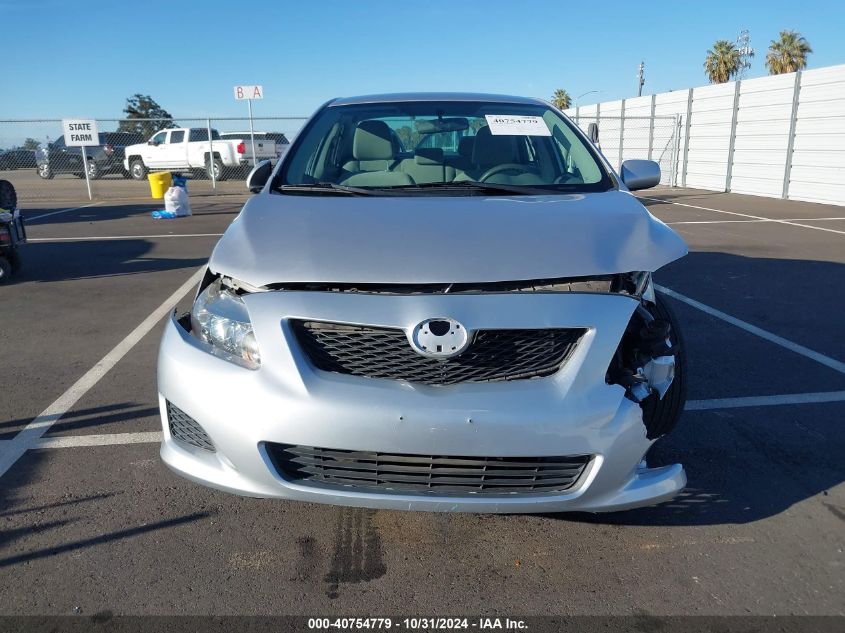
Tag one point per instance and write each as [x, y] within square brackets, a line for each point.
[584, 95]
[640, 79]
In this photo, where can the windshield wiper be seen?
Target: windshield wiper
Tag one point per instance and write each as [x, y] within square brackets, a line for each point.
[329, 187]
[484, 187]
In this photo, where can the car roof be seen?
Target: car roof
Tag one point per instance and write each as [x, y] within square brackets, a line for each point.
[397, 97]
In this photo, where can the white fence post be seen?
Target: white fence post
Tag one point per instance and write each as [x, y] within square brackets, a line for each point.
[686, 137]
[621, 133]
[651, 127]
[732, 138]
[790, 142]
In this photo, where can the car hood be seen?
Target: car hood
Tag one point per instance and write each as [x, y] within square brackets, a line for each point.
[433, 239]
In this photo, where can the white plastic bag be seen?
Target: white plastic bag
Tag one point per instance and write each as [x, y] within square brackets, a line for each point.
[176, 201]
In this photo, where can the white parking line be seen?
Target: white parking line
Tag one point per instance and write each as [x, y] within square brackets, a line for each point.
[32, 432]
[745, 215]
[118, 237]
[103, 439]
[765, 401]
[153, 437]
[46, 215]
[806, 352]
[752, 221]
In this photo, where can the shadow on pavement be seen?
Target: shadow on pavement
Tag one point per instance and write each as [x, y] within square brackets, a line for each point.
[84, 418]
[61, 261]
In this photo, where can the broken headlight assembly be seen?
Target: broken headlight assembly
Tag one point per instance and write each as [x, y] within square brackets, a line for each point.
[220, 319]
[644, 362]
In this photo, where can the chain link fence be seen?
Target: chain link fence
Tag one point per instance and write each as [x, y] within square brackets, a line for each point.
[215, 154]
[654, 138]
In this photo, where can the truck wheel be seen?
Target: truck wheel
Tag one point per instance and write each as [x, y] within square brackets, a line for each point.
[45, 172]
[137, 169]
[8, 196]
[5, 270]
[661, 415]
[94, 171]
[217, 165]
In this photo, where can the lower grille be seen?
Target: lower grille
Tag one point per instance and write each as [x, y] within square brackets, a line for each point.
[427, 474]
[493, 355]
[185, 429]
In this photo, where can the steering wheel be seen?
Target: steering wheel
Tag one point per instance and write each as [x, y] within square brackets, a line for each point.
[498, 169]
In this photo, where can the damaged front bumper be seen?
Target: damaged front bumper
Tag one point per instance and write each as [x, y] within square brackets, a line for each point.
[287, 401]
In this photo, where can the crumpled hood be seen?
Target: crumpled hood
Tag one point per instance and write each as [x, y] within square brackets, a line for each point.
[435, 239]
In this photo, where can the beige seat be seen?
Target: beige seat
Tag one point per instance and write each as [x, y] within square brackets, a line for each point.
[373, 157]
[492, 150]
[428, 165]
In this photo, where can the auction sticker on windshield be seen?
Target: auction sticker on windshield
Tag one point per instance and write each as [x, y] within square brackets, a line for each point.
[508, 124]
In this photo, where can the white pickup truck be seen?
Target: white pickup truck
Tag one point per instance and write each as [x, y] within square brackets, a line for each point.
[183, 148]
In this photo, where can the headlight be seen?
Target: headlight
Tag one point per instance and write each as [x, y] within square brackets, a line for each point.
[220, 318]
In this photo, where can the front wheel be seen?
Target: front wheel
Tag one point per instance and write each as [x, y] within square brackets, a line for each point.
[5, 270]
[215, 167]
[94, 171]
[45, 172]
[137, 169]
[661, 415]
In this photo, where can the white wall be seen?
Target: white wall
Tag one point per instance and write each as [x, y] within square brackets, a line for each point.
[775, 136]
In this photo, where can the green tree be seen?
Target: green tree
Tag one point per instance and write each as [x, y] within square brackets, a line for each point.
[561, 99]
[145, 116]
[722, 63]
[788, 53]
[30, 143]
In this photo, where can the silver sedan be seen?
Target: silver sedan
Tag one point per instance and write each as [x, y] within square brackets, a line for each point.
[433, 302]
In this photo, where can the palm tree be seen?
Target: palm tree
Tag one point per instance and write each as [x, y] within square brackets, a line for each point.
[722, 62]
[788, 54]
[561, 99]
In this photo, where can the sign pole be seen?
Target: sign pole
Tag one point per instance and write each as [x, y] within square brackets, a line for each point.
[211, 156]
[85, 163]
[251, 132]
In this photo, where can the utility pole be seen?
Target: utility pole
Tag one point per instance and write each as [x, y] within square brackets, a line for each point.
[641, 79]
[743, 45]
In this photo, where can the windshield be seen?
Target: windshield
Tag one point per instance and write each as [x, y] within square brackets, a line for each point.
[419, 148]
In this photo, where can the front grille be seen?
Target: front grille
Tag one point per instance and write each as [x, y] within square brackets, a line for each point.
[185, 429]
[386, 353]
[428, 474]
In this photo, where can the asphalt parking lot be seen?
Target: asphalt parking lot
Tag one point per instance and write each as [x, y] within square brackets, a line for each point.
[91, 521]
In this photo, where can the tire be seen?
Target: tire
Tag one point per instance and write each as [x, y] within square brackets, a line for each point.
[5, 270]
[8, 196]
[217, 165]
[44, 171]
[137, 169]
[94, 171]
[661, 416]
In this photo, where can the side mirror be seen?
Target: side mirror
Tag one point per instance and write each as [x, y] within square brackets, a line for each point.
[640, 174]
[259, 176]
[593, 133]
[153, 143]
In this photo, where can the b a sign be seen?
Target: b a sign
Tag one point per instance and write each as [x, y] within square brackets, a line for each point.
[80, 132]
[249, 92]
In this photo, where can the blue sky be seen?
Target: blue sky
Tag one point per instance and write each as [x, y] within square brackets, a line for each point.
[83, 58]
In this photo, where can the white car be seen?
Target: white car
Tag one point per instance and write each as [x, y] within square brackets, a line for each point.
[434, 302]
[191, 149]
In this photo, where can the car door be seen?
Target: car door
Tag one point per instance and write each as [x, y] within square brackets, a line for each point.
[175, 149]
[64, 159]
[156, 154]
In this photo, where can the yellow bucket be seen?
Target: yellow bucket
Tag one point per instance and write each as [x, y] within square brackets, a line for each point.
[159, 183]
